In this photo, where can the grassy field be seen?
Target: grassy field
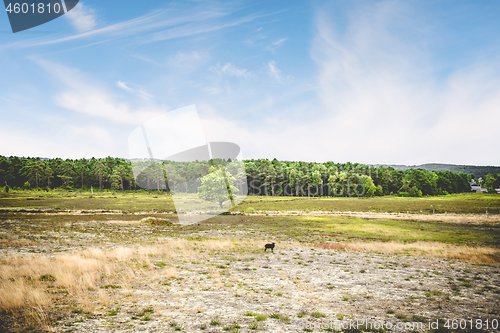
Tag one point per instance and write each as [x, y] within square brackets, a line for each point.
[467, 203]
[72, 262]
[460, 204]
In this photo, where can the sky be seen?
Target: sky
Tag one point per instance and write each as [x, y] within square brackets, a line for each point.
[373, 82]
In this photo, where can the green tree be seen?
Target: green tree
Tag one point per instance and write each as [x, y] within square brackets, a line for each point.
[33, 169]
[338, 182]
[66, 172]
[120, 174]
[369, 187]
[114, 179]
[492, 182]
[81, 168]
[47, 173]
[317, 181]
[101, 171]
[217, 186]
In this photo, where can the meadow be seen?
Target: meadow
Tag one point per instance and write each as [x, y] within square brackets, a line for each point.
[465, 203]
[103, 261]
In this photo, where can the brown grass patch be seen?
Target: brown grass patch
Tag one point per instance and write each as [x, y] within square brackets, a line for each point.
[20, 242]
[485, 255]
[170, 273]
[156, 221]
[79, 272]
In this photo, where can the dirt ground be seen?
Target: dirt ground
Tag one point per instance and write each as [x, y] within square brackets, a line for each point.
[222, 280]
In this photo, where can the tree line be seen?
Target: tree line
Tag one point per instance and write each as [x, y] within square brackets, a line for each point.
[262, 177]
[36, 173]
[349, 179]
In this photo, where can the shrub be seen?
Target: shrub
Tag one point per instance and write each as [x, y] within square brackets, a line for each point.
[317, 315]
[156, 221]
[253, 326]
[260, 317]
[47, 277]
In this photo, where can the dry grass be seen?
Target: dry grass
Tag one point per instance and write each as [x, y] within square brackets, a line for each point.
[20, 284]
[81, 272]
[19, 242]
[19, 293]
[214, 272]
[218, 244]
[103, 298]
[485, 255]
[95, 278]
[156, 221]
[170, 273]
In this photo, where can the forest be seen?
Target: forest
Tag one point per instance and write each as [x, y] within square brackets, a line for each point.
[263, 177]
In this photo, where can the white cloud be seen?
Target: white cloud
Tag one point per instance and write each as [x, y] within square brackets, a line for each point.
[188, 60]
[279, 41]
[159, 25]
[273, 71]
[138, 92]
[276, 44]
[124, 86]
[230, 70]
[67, 141]
[386, 103]
[143, 94]
[381, 101]
[212, 90]
[82, 17]
[83, 96]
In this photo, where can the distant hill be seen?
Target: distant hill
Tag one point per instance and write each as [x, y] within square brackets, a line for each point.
[476, 170]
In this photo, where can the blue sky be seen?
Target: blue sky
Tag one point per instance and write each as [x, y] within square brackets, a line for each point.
[392, 82]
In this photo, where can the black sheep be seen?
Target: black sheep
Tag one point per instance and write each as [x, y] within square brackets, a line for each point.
[269, 246]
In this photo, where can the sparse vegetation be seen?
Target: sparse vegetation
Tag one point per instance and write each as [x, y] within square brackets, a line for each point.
[69, 268]
[215, 322]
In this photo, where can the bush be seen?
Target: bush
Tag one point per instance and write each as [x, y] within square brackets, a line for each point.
[253, 326]
[260, 317]
[379, 191]
[47, 277]
[156, 221]
[415, 192]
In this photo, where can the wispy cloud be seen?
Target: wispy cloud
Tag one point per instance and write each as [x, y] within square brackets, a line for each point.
[114, 31]
[82, 17]
[139, 92]
[273, 71]
[212, 90]
[374, 79]
[380, 100]
[278, 42]
[124, 86]
[196, 28]
[158, 25]
[188, 59]
[274, 45]
[81, 95]
[231, 70]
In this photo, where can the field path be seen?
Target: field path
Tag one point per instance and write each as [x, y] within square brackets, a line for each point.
[447, 217]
